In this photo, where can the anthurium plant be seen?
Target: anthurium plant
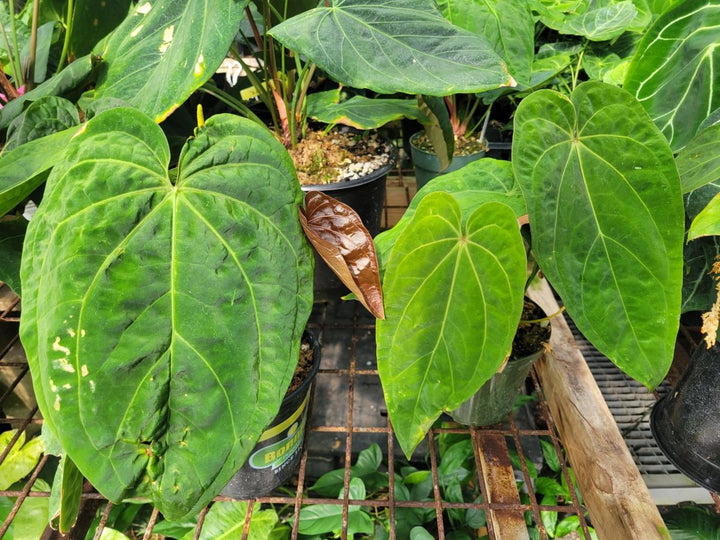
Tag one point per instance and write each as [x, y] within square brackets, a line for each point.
[173, 278]
[600, 172]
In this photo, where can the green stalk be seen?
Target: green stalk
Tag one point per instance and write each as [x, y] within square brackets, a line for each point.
[68, 34]
[15, 60]
[230, 101]
[30, 83]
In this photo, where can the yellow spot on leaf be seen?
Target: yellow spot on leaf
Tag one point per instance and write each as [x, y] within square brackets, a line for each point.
[136, 31]
[200, 66]
[167, 39]
[71, 332]
[144, 9]
[56, 405]
[84, 370]
[57, 347]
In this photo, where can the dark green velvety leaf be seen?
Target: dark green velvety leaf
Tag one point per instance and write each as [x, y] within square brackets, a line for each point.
[47, 115]
[65, 497]
[359, 111]
[675, 72]
[12, 234]
[699, 162]
[604, 203]
[476, 183]
[148, 293]
[164, 50]
[507, 24]
[93, 20]
[699, 290]
[68, 82]
[446, 274]
[394, 46]
[24, 169]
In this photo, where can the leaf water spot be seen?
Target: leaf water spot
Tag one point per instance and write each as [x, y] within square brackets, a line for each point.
[53, 386]
[84, 370]
[56, 405]
[71, 332]
[82, 333]
[95, 23]
[92, 386]
[167, 39]
[144, 9]
[67, 386]
[57, 347]
[136, 31]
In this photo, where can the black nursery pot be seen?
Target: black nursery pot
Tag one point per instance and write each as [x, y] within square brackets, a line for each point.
[276, 456]
[366, 196]
[685, 422]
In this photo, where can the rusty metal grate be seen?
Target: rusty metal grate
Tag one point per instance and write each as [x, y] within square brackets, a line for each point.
[348, 415]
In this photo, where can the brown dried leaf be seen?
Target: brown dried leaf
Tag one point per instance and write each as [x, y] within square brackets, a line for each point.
[338, 235]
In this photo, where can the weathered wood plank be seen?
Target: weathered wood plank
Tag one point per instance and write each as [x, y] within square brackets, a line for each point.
[497, 472]
[614, 493]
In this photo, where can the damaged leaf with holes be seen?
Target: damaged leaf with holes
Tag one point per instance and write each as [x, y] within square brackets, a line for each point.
[163, 310]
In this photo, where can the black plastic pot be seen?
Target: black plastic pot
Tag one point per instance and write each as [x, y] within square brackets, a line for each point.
[686, 421]
[427, 164]
[276, 456]
[496, 398]
[366, 196]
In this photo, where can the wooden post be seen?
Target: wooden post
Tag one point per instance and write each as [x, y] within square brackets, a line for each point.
[497, 472]
[614, 493]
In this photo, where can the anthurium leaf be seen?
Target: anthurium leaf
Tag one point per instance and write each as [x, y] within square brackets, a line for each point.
[699, 162]
[69, 81]
[341, 239]
[93, 20]
[171, 290]
[699, 292]
[21, 459]
[24, 169]
[360, 112]
[596, 21]
[675, 73]
[12, 235]
[438, 128]
[164, 50]
[453, 289]
[394, 46]
[326, 518]
[65, 497]
[707, 222]
[606, 213]
[507, 24]
[47, 115]
[226, 521]
[475, 184]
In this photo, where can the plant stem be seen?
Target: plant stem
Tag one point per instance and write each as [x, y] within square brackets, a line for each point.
[68, 34]
[485, 123]
[30, 83]
[15, 60]
[576, 72]
[227, 99]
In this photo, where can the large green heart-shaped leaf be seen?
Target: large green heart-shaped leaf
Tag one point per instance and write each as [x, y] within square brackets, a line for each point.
[162, 313]
[675, 72]
[507, 24]
[453, 290]
[394, 46]
[164, 50]
[604, 203]
[475, 184]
